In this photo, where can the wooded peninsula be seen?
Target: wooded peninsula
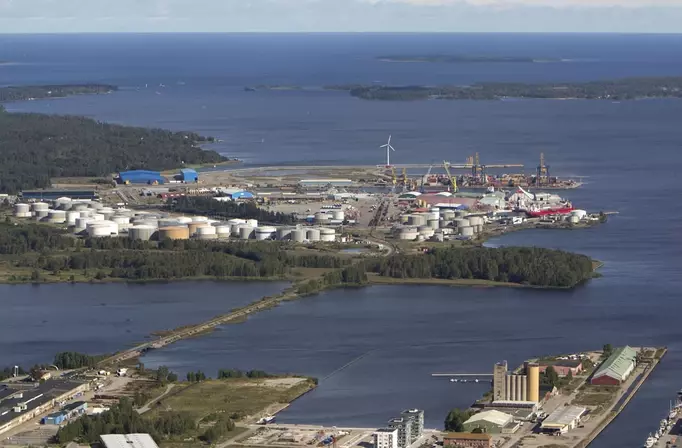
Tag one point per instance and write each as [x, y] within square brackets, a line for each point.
[37, 253]
[20, 93]
[35, 148]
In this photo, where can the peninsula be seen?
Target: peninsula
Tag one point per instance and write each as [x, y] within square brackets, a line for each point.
[452, 59]
[20, 93]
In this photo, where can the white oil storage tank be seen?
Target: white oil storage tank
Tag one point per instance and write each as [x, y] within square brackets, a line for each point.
[82, 223]
[433, 223]
[327, 235]
[298, 235]
[461, 222]
[313, 235]
[56, 216]
[39, 206]
[102, 228]
[322, 217]
[466, 231]
[183, 219]
[71, 217]
[199, 219]
[141, 232]
[339, 215]
[265, 233]
[252, 222]
[236, 221]
[206, 233]
[22, 210]
[574, 219]
[98, 217]
[284, 233]
[40, 215]
[246, 232]
[223, 232]
[86, 213]
[407, 233]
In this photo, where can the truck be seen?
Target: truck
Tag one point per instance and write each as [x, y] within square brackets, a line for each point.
[122, 371]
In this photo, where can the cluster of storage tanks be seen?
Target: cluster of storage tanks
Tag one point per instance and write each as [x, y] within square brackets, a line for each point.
[436, 223]
[96, 220]
[330, 218]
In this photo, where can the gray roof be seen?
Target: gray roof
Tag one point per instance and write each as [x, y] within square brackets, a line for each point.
[618, 364]
[563, 416]
[128, 441]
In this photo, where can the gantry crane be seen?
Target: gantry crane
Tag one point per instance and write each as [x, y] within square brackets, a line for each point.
[406, 182]
[453, 181]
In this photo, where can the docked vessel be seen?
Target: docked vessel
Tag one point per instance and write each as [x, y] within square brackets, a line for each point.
[266, 420]
[550, 210]
[537, 205]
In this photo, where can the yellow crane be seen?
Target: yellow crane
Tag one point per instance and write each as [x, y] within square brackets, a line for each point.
[405, 180]
[453, 181]
[394, 179]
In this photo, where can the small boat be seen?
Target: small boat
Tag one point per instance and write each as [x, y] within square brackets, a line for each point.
[452, 380]
[266, 420]
[476, 380]
[649, 442]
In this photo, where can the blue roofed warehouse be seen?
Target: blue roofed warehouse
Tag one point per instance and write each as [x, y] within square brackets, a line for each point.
[189, 175]
[140, 177]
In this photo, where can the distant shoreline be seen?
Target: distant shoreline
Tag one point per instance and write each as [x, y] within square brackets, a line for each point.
[462, 59]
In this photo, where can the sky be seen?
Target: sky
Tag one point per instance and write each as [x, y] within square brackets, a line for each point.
[68, 16]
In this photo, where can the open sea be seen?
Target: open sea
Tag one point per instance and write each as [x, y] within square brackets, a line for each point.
[374, 348]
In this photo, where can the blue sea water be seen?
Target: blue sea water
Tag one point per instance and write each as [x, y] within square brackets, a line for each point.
[627, 152]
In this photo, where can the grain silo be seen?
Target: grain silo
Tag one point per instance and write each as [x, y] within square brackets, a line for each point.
[265, 233]
[507, 387]
[174, 233]
[313, 235]
[327, 235]
[141, 232]
[56, 216]
[524, 387]
[22, 210]
[223, 231]
[284, 233]
[246, 232]
[206, 233]
[298, 235]
[533, 375]
[466, 231]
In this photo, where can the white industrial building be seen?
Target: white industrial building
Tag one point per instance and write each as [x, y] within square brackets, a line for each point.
[386, 438]
[128, 441]
[563, 419]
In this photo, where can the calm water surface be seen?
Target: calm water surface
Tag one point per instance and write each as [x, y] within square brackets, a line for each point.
[375, 348]
[38, 321]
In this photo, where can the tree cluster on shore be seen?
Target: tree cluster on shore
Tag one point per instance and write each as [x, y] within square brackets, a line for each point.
[243, 210]
[20, 93]
[34, 148]
[521, 265]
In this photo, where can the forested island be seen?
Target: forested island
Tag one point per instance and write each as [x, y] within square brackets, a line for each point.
[35, 253]
[20, 93]
[615, 90]
[35, 148]
[445, 58]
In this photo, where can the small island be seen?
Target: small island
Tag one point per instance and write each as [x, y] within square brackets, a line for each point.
[21, 93]
[453, 59]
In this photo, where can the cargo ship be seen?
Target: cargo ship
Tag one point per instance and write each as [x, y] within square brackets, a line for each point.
[550, 210]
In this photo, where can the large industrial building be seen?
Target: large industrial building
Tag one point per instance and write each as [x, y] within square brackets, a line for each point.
[140, 177]
[490, 422]
[21, 403]
[188, 175]
[467, 440]
[515, 387]
[128, 441]
[617, 367]
[563, 419]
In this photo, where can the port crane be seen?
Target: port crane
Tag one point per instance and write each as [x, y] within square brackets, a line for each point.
[453, 181]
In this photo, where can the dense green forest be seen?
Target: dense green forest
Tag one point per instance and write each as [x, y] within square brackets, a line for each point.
[615, 90]
[35, 148]
[123, 419]
[19, 93]
[527, 266]
[244, 210]
[74, 360]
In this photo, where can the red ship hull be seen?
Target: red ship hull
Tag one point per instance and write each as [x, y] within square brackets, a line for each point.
[550, 211]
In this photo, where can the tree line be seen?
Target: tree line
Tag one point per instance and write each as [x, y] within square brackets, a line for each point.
[236, 373]
[242, 210]
[75, 360]
[20, 93]
[123, 419]
[35, 148]
[528, 266]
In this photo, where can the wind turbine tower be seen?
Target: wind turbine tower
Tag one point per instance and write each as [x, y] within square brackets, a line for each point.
[389, 148]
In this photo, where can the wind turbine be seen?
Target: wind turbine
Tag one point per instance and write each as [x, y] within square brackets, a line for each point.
[389, 148]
